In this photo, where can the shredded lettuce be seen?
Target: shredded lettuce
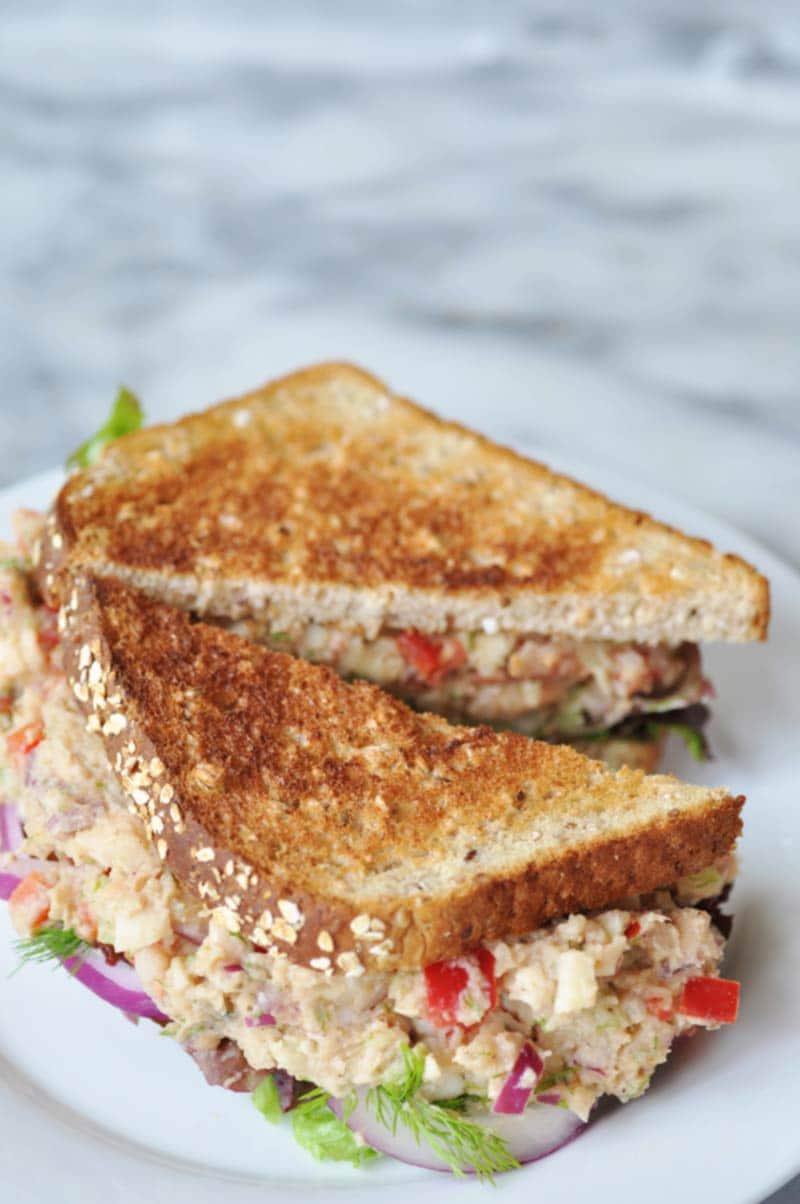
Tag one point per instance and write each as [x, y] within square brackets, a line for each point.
[266, 1099]
[317, 1129]
[126, 416]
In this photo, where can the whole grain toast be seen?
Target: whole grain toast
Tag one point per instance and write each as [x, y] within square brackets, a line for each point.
[323, 497]
[342, 828]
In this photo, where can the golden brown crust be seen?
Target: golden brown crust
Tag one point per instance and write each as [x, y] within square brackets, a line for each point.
[324, 479]
[334, 822]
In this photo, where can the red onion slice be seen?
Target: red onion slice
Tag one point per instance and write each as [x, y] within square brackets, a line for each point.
[118, 985]
[538, 1131]
[265, 1020]
[518, 1087]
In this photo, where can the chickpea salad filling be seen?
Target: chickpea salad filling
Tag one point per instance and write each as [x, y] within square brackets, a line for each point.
[551, 687]
[544, 1025]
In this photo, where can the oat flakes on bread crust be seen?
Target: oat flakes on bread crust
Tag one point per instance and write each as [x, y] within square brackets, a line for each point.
[323, 496]
[343, 828]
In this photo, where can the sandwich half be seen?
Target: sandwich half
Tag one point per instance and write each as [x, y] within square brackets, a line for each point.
[443, 942]
[325, 517]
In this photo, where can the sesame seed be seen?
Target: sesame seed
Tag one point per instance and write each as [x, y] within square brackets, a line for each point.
[229, 868]
[95, 673]
[266, 918]
[243, 879]
[325, 941]
[115, 724]
[37, 551]
[233, 901]
[156, 824]
[156, 767]
[166, 793]
[161, 847]
[205, 854]
[320, 963]
[92, 723]
[80, 691]
[85, 657]
[260, 936]
[141, 797]
[175, 813]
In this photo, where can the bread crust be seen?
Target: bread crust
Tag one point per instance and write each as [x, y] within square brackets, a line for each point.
[324, 496]
[341, 828]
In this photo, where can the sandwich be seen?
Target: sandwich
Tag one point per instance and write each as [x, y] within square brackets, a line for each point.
[442, 942]
[324, 517]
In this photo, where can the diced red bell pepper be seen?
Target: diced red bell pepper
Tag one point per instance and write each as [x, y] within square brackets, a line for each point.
[6, 704]
[715, 999]
[633, 929]
[445, 983]
[23, 740]
[430, 659]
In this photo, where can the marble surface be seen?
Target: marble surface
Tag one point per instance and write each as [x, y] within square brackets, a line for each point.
[569, 223]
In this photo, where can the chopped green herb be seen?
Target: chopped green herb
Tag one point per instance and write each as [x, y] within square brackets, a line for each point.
[317, 1129]
[126, 416]
[50, 944]
[552, 1080]
[13, 562]
[461, 1103]
[458, 1141]
[279, 637]
[266, 1099]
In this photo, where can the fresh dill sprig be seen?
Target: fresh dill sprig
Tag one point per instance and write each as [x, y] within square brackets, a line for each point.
[451, 1135]
[52, 943]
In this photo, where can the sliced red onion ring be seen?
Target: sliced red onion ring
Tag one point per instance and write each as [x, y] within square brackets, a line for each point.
[518, 1087]
[119, 985]
[538, 1131]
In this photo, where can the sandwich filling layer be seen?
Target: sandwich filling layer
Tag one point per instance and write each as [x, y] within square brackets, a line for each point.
[550, 687]
[598, 998]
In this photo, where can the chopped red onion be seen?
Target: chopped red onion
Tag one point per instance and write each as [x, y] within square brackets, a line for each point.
[518, 1087]
[233, 968]
[549, 1097]
[265, 1020]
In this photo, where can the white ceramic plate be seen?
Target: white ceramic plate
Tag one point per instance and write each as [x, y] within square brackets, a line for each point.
[95, 1110]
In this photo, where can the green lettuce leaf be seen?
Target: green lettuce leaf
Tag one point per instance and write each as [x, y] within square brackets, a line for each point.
[126, 416]
[266, 1099]
[320, 1132]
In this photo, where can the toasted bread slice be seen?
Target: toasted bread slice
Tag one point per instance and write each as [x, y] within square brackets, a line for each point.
[323, 497]
[341, 827]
